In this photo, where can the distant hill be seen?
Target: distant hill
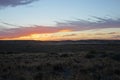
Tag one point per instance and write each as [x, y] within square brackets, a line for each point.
[57, 46]
[60, 42]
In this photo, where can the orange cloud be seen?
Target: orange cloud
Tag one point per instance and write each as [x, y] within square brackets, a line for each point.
[26, 31]
[31, 33]
[81, 35]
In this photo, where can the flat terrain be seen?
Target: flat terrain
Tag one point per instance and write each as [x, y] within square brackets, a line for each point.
[29, 60]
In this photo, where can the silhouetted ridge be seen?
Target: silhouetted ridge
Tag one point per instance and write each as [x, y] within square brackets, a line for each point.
[57, 46]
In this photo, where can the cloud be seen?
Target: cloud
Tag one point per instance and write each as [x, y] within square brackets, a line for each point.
[68, 26]
[104, 33]
[26, 31]
[69, 35]
[8, 24]
[13, 3]
[116, 36]
[113, 33]
[79, 25]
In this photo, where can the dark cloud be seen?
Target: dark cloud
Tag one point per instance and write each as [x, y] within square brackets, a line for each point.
[103, 33]
[13, 3]
[116, 36]
[69, 35]
[113, 33]
[101, 23]
[9, 24]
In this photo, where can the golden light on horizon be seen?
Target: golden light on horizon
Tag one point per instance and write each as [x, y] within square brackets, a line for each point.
[68, 34]
[65, 30]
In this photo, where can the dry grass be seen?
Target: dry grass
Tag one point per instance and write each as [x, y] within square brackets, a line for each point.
[81, 65]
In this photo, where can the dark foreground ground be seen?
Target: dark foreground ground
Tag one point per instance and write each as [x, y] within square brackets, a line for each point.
[29, 60]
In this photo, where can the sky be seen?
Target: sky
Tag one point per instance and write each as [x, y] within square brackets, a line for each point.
[59, 19]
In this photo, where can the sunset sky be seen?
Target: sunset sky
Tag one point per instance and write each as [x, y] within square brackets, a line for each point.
[59, 19]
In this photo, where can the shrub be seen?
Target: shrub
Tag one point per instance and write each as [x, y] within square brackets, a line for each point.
[92, 52]
[117, 71]
[39, 68]
[116, 57]
[90, 56]
[64, 55]
[58, 68]
[38, 76]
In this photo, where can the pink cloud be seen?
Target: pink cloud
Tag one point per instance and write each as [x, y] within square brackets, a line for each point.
[26, 31]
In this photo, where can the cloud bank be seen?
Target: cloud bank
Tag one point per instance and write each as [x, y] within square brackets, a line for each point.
[13, 3]
[25, 31]
[77, 25]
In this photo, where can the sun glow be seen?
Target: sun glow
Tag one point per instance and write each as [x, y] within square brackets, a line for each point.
[67, 34]
[65, 30]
